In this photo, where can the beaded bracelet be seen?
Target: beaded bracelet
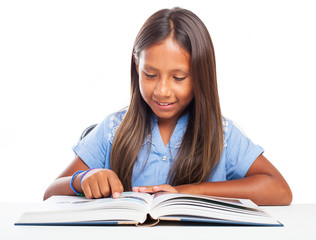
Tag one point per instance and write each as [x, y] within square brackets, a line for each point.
[85, 174]
[71, 183]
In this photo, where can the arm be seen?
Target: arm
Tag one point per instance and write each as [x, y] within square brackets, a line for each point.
[263, 184]
[96, 183]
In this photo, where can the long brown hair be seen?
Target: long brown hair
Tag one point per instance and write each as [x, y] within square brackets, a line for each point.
[202, 142]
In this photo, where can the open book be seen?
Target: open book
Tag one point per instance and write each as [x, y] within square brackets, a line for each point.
[135, 208]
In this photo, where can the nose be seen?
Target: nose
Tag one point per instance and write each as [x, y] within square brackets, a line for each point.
[163, 88]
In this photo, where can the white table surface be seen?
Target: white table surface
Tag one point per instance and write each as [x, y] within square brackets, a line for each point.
[299, 223]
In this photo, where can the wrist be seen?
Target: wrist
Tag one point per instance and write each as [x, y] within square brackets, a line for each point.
[75, 184]
[193, 188]
[185, 188]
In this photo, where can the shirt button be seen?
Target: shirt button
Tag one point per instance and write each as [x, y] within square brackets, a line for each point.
[164, 158]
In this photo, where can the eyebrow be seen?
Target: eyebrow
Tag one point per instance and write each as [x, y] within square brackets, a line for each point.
[147, 67]
[150, 68]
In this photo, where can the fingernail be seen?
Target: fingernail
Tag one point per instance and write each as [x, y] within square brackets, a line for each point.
[116, 195]
[155, 188]
[142, 188]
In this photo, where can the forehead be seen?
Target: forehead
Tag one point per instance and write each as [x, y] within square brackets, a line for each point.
[166, 55]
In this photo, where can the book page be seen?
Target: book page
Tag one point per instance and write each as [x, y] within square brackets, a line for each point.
[130, 206]
[145, 197]
[161, 197]
[187, 206]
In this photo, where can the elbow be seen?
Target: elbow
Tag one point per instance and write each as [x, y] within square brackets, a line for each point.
[284, 195]
[287, 196]
[46, 195]
[280, 194]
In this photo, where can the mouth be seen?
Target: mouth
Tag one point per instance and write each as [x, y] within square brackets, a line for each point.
[164, 105]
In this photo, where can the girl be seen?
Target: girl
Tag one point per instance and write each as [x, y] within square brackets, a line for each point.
[172, 137]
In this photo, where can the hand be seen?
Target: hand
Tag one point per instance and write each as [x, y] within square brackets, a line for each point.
[99, 183]
[154, 189]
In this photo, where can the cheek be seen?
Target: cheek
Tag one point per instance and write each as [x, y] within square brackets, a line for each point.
[186, 93]
[188, 97]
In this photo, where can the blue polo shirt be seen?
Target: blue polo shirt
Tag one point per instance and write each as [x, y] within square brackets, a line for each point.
[238, 154]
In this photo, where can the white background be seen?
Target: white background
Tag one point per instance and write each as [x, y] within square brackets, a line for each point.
[65, 65]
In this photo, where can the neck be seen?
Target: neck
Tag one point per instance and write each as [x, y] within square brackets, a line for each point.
[166, 129]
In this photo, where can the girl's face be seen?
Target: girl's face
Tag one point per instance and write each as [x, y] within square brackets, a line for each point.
[164, 79]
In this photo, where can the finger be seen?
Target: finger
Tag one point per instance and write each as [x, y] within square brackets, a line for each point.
[147, 189]
[115, 185]
[157, 188]
[96, 193]
[135, 189]
[165, 188]
[104, 188]
[87, 190]
[86, 182]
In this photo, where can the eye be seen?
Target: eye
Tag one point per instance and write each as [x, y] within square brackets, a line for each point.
[179, 78]
[151, 76]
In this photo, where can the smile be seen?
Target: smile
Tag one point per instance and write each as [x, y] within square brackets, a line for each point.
[163, 104]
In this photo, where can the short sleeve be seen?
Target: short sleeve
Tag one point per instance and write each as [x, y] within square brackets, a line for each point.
[95, 148]
[241, 152]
